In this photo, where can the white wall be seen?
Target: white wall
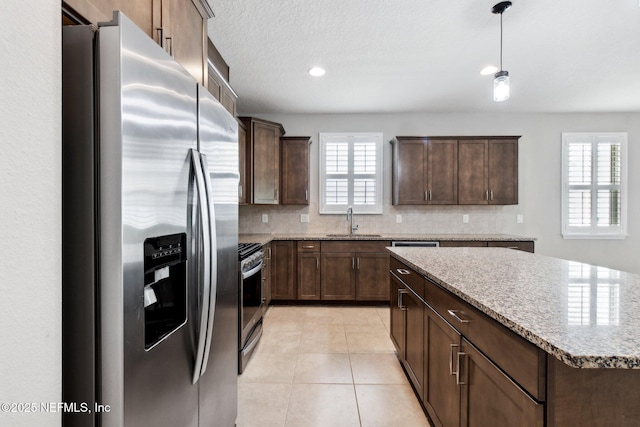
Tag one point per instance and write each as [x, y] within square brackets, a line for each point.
[539, 181]
[30, 208]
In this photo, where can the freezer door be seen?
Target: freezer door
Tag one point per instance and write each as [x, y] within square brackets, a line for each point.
[148, 124]
[218, 142]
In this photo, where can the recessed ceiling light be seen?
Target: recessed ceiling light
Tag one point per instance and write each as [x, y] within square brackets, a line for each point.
[317, 71]
[489, 70]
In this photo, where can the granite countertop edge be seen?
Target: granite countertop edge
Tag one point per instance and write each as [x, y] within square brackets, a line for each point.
[575, 361]
[264, 238]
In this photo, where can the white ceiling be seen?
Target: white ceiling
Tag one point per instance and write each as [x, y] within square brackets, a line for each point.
[385, 56]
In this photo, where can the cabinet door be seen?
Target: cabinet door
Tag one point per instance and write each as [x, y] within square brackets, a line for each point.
[294, 173]
[266, 160]
[185, 33]
[473, 166]
[409, 163]
[490, 397]
[414, 345]
[308, 276]
[372, 277]
[503, 172]
[396, 289]
[283, 270]
[214, 84]
[442, 172]
[441, 391]
[243, 189]
[338, 276]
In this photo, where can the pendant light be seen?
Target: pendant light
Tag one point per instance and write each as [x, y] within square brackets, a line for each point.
[501, 78]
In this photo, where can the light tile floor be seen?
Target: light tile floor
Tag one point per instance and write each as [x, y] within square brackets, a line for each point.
[325, 367]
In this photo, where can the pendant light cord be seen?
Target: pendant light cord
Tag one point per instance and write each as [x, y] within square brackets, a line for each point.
[501, 41]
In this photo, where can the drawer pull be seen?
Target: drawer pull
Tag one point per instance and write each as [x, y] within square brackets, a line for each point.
[451, 347]
[458, 372]
[308, 246]
[403, 271]
[454, 314]
[400, 301]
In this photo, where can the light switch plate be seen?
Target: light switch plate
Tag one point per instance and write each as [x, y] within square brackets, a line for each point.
[304, 217]
[398, 219]
[465, 218]
[265, 217]
[519, 218]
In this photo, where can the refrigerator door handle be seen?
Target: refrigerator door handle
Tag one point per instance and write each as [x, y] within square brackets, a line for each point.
[213, 263]
[204, 254]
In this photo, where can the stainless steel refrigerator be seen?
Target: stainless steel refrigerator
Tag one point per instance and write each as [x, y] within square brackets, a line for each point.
[150, 226]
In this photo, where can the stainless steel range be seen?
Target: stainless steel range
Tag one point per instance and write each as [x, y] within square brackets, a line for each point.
[251, 300]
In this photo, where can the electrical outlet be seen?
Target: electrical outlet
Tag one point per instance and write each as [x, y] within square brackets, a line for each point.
[265, 217]
[304, 217]
[465, 218]
[398, 219]
[519, 218]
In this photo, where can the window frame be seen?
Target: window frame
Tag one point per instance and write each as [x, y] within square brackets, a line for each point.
[594, 231]
[349, 137]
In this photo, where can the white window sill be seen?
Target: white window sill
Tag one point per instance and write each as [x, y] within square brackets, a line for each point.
[594, 236]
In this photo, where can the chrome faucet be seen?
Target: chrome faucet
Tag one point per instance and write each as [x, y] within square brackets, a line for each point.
[352, 228]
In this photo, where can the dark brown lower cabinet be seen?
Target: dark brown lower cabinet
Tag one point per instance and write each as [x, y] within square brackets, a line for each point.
[372, 274]
[397, 326]
[338, 276]
[441, 391]
[489, 396]
[309, 276]
[414, 347]
[283, 267]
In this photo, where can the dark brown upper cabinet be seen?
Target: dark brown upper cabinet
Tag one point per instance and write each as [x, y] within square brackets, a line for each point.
[263, 160]
[294, 170]
[455, 170]
[179, 26]
[488, 171]
[425, 171]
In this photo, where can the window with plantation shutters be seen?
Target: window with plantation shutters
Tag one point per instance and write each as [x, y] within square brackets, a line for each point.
[594, 196]
[351, 173]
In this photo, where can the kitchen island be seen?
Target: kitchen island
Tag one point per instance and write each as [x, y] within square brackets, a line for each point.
[514, 337]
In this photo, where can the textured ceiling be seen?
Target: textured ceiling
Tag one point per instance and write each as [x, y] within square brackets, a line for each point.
[426, 55]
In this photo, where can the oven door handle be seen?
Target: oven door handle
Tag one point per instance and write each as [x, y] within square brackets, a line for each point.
[254, 270]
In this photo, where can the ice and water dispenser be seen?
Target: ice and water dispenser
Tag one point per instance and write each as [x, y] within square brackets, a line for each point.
[165, 286]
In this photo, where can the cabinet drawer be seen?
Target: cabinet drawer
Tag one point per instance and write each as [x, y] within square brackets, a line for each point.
[308, 246]
[410, 278]
[355, 246]
[462, 244]
[519, 359]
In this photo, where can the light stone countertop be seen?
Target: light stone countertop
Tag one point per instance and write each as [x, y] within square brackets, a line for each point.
[266, 238]
[585, 315]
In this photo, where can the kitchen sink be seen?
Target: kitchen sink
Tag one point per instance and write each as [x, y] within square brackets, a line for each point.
[354, 235]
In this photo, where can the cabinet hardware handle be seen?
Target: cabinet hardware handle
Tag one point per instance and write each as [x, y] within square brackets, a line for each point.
[306, 195]
[358, 263]
[275, 192]
[403, 271]
[400, 302]
[170, 45]
[353, 263]
[307, 246]
[240, 190]
[454, 314]
[317, 263]
[491, 194]
[160, 33]
[486, 195]
[458, 365]
[429, 195]
[426, 195]
[451, 347]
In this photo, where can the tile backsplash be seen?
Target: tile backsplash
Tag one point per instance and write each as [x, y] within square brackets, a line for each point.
[415, 220]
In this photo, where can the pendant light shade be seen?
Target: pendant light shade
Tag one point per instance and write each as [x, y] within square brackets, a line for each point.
[501, 79]
[501, 86]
